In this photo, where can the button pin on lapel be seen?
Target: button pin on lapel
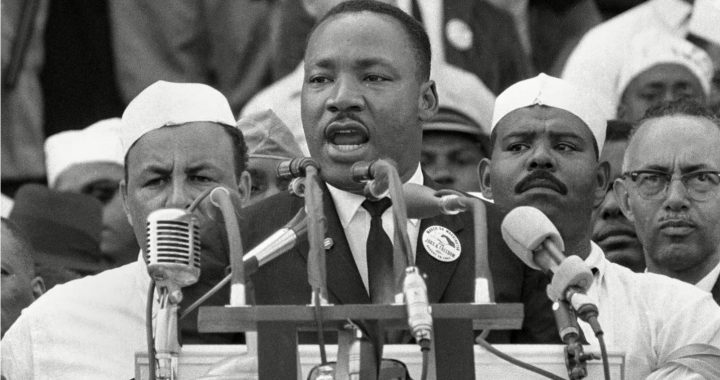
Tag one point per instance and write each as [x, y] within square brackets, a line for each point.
[441, 243]
[328, 243]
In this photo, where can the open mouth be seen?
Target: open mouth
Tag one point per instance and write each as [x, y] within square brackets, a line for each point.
[347, 136]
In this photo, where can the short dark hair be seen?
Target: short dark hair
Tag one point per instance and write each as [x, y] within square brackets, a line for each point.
[239, 150]
[27, 250]
[618, 130]
[682, 106]
[414, 30]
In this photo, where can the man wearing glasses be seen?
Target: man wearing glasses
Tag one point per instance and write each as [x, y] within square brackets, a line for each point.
[670, 189]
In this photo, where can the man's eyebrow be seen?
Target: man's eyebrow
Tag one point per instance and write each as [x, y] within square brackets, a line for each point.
[694, 168]
[566, 135]
[520, 134]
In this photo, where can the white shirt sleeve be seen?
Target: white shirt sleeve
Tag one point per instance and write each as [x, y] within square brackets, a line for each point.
[17, 351]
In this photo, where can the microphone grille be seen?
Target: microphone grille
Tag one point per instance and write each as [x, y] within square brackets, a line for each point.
[173, 246]
[524, 229]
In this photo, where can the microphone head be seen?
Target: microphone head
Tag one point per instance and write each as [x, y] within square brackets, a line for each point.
[173, 247]
[524, 229]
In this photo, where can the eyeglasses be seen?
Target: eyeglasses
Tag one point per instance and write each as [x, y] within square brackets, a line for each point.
[651, 184]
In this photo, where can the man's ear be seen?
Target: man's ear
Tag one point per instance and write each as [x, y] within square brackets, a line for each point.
[123, 193]
[38, 286]
[602, 175]
[244, 187]
[623, 198]
[428, 102]
[484, 178]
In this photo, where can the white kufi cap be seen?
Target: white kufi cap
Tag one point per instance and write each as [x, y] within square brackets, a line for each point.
[100, 142]
[654, 47]
[552, 92]
[164, 103]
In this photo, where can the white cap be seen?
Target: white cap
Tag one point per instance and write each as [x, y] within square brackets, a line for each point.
[164, 103]
[654, 47]
[100, 142]
[463, 92]
[552, 92]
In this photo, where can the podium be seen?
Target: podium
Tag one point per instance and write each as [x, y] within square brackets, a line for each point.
[197, 360]
[278, 326]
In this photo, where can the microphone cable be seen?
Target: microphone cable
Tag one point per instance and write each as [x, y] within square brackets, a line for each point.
[425, 349]
[600, 334]
[517, 362]
[148, 331]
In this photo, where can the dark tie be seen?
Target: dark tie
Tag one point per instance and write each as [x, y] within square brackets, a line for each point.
[379, 254]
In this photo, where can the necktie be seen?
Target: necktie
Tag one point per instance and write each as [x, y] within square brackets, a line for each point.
[379, 250]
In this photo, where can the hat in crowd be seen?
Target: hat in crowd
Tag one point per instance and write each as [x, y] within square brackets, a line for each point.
[267, 136]
[100, 142]
[64, 228]
[553, 92]
[165, 103]
[465, 103]
[654, 47]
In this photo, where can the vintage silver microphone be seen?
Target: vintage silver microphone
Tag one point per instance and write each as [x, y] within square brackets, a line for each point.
[173, 258]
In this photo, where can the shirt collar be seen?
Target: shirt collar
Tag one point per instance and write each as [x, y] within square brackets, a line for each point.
[674, 13]
[596, 260]
[347, 204]
[710, 279]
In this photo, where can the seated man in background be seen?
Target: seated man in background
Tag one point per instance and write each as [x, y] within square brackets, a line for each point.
[89, 161]
[64, 228]
[269, 142]
[457, 137]
[547, 137]
[179, 140]
[678, 222]
[661, 68]
[612, 231]
[20, 285]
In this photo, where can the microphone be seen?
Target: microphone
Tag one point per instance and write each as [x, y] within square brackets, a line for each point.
[423, 202]
[276, 244]
[536, 241]
[418, 307]
[173, 249]
[295, 168]
[173, 257]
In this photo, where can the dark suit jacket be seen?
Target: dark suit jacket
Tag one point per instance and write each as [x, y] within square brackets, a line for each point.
[716, 291]
[284, 281]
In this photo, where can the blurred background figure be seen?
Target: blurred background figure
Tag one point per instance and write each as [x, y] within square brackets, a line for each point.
[23, 48]
[20, 285]
[661, 68]
[225, 44]
[269, 142]
[6, 204]
[90, 162]
[64, 228]
[457, 137]
[612, 231]
[599, 56]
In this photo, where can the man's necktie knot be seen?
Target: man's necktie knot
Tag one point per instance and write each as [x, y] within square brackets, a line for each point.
[376, 209]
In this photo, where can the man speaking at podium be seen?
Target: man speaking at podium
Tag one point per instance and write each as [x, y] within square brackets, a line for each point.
[546, 137]
[365, 94]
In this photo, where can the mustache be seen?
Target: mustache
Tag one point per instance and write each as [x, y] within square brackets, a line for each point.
[541, 178]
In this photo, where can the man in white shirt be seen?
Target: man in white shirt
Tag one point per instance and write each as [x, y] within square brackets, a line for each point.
[547, 136]
[678, 222]
[178, 141]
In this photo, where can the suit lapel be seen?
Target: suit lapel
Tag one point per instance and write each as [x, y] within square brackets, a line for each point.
[343, 279]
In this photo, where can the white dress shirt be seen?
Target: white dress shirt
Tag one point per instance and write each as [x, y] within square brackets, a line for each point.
[710, 279]
[596, 61]
[355, 221]
[649, 316]
[88, 328]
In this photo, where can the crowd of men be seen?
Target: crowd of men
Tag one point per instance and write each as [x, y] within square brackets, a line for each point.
[619, 152]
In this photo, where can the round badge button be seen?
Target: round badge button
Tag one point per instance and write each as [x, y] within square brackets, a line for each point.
[441, 243]
[459, 34]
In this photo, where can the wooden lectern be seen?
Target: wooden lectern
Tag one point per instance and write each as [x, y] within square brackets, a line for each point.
[277, 328]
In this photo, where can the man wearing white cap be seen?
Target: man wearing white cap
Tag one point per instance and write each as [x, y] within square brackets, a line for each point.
[661, 67]
[90, 161]
[547, 136]
[178, 140]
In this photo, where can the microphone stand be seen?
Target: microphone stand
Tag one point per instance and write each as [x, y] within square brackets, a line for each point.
[167, 345]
